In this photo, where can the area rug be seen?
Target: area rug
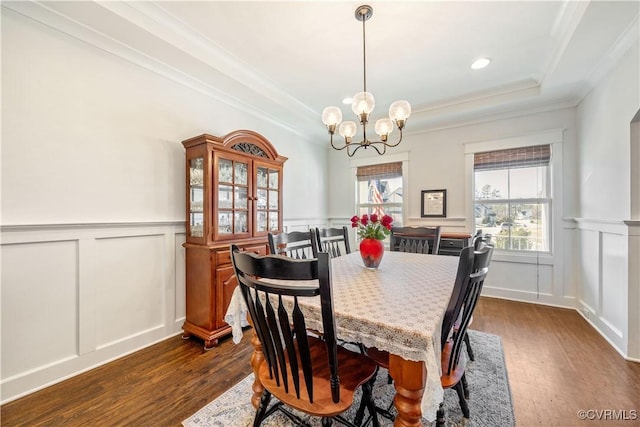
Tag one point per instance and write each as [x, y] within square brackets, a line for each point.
[490, 397]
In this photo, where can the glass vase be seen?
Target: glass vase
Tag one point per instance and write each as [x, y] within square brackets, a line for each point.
[371, 251]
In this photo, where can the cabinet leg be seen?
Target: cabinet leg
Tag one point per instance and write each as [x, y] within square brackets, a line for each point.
[185, 335]
[209, 344]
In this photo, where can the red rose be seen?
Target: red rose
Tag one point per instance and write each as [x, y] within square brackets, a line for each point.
[386, 221]
[355, 219]
[374, 218]
[354, 224]
[364, 220]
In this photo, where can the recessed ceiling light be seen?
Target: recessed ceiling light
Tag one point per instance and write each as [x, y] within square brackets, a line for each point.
[480, 63]
[347, 100]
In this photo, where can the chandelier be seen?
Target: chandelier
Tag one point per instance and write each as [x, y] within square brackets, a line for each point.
[362, 105]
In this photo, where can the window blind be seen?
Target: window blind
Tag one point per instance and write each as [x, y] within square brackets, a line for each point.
[538, 155]
[381, 171]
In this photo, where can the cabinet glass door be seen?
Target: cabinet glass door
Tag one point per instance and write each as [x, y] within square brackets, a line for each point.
[233, 193]
[268, 199]
[196, 197]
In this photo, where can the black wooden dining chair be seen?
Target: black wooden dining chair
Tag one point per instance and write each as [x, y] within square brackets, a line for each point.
[483, 255]
[453, 362]
[312, 375]
[295, 244]
[334, 241]
[454, 308]
[423, 240]
[481, 238]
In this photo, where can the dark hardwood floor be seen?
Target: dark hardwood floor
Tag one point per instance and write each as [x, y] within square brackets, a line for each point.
[557, 365]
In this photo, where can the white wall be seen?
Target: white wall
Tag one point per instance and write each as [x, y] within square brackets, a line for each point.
[93, 200]
[437, 161]
[608, 228]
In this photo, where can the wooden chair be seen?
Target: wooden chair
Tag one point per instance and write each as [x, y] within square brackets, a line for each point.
[314, 376]
[465, 268]
[453, 362]
[483, 255]
[424, 240]
[296, 244]
[334, 241]
[481, 238]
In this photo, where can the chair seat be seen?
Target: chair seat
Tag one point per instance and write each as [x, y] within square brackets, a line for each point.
[449, 380]
[354, 369]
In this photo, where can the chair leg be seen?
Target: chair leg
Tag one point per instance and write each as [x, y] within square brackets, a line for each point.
[465, 385]
[440, 416]
[463, 401]
[368, 392]
[262, 409]
[363, 401]
[326, 422]
[469, 349]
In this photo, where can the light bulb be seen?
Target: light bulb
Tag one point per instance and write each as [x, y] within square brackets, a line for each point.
[347, 129]
[363, 102]
[384, 127]
[400, 110]
[331, 116]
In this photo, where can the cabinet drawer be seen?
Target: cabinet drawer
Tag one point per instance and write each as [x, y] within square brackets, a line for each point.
[224, 257]
[452, 243]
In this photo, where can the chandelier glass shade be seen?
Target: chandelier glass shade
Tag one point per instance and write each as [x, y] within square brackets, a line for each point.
[362, 105]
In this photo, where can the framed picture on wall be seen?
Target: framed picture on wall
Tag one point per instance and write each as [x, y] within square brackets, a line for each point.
[434, 203]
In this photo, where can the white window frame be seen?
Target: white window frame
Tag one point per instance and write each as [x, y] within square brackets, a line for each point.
[553, 137]
[387, 158]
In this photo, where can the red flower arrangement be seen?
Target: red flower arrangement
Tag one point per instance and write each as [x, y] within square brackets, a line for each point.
[371, 226]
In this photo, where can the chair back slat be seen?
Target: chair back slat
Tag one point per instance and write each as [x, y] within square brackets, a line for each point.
[267, 343]
[334, 241]
[300, 328]
[284, 336]
[296, 244]
[422, 240]
[277, 343]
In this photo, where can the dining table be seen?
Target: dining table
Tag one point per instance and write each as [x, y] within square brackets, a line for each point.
[397, 307]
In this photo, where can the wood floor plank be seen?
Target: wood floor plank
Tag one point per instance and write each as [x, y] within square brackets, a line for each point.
[557, 365]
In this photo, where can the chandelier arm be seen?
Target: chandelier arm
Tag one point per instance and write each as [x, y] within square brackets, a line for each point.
[397, 143]
[374, 145]
[350, 154]
[337, 148]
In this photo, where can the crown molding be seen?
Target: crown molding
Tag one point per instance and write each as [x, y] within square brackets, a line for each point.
[42, 13]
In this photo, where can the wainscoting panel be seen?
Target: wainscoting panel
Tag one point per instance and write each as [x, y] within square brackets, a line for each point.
[39, 305]
[80, 295]
[603, 288]
[520, 281]
[129, 287]
[614, 275]
[180, 309]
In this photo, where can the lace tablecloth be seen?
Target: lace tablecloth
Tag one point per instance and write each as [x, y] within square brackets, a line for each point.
[397, 308]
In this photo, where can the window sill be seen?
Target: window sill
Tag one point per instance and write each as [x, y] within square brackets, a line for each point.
[544, 258]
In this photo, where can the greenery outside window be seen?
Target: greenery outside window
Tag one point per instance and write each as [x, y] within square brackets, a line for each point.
[512, 199]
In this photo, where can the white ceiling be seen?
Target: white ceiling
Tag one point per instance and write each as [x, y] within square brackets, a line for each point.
[286, 61]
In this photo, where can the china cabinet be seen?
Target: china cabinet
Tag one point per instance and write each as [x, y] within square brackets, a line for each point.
[233, 195]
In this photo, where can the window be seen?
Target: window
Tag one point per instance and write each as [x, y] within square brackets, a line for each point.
[379, 190]
[513, 197]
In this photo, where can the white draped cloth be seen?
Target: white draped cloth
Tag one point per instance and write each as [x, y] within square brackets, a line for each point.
[397, 308]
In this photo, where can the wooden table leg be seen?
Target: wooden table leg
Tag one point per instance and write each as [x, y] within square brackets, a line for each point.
[256, 360]
[409, 378]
